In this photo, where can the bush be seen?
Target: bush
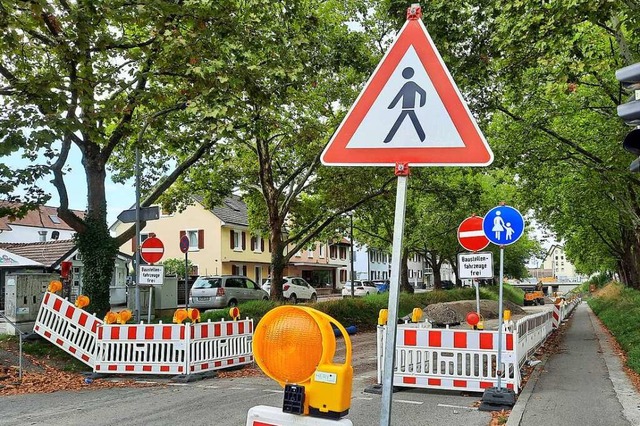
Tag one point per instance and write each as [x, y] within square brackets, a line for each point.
[363, 311]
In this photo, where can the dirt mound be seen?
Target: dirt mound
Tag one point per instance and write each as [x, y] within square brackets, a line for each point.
[451, 313]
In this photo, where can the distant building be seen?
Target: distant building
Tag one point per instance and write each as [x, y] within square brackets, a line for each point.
[40, 225]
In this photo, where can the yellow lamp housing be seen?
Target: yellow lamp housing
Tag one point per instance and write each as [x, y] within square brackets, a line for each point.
[416, 315]
[383, 316]
[295, 345]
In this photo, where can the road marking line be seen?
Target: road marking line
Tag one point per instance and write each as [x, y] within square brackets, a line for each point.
[272, 391]
[364, 398]
[457, 406]
[406, 401]
[177, 384]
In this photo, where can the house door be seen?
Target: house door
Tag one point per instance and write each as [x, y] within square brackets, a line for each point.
[258, 276]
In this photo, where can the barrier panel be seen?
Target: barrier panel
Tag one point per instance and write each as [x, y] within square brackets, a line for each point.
[532, 331]
[463, 360]
[142, 348]
[71, 329]
[216, 345]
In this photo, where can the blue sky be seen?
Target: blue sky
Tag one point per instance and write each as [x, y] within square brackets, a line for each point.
[119, 197]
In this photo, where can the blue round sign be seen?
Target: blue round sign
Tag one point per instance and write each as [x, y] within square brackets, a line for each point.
[184, 244]
[503, 225]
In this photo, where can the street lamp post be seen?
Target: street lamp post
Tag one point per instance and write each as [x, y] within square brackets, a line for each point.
[352, 269]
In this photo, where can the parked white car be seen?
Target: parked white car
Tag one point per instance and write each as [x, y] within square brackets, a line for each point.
[294, 289]
[361, 288]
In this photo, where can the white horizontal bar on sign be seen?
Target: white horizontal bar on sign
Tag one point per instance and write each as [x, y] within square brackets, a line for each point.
[466, 234]
[155, 249]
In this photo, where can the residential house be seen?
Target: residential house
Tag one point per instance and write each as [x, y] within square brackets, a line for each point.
[42, 224]
[322, 264]
[557, 263]
[219, 239]
[49, 256]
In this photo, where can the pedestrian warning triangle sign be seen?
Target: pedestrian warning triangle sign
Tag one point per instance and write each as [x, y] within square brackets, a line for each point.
[410, 111]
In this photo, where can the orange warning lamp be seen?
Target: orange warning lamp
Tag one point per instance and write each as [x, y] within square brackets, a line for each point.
[473, 319]
[506, 315]
[54, 286]
[234, 313]
[180, 315]
[82, 301]
[295, 346]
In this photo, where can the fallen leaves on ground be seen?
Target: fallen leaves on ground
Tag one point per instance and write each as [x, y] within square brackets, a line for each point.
[499, 417]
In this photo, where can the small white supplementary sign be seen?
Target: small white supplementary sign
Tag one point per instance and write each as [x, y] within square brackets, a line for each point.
[151, 275]
[475, 265]
[321, 376]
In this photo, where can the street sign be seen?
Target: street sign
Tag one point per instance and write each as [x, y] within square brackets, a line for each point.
[475, 265]
[151, 250]
[151, 275]
[410, 111]
[184, 244]
[146, 213]
[470, 234]
[503, 225]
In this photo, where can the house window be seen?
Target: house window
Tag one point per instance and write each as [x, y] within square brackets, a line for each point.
[321, 250]
[239, 270]
[54, 218]
[343, 275]
[343, 252]
[257, 244]
[311, 251]
[333, 251]
[42, 236]
[237, 240]
[196, 238]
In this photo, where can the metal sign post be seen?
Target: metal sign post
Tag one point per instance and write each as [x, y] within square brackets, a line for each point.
[184, 247]
[137, 268]
[402, 171]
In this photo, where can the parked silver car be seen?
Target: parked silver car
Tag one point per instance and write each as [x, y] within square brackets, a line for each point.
[220, 291]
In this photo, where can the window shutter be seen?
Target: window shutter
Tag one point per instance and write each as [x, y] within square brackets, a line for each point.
[269, 246]
[234, 270]
[253, 243]
[183, 233]
[133, 244]
[200, 238]
[261, 244]
[231, 243]
[244, 241]
[244, 270]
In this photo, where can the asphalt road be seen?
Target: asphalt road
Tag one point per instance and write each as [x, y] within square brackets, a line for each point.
[225, 402]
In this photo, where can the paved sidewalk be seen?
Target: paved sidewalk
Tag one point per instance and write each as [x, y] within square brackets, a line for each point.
[583, 384]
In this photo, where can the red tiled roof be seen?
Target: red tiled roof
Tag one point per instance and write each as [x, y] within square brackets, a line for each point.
[40, 218]
[48, 253]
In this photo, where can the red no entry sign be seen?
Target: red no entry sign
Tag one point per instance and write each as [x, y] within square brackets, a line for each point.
[470, 234]
[152, 250]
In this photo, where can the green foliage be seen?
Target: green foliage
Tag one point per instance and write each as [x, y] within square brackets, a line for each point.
[175, 266]
[98, 251]
[619, 310]
[363, 311]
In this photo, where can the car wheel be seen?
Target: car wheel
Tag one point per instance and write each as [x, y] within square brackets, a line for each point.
[232, 303]
[293, 299]
[314, 298]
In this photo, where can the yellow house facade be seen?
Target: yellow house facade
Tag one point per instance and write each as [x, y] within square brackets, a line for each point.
[220, 240]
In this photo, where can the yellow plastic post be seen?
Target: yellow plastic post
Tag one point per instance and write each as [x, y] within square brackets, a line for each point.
[416, 315]
[507, 315]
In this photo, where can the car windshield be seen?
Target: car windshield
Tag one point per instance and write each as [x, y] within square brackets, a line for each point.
[204, 282]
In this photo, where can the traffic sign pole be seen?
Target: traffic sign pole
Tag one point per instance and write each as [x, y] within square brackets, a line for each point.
[394, 290]
[184, 247]
[500, 302]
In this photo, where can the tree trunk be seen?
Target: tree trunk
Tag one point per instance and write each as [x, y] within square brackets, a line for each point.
[277, 264]
[404, 272]
[96, 246]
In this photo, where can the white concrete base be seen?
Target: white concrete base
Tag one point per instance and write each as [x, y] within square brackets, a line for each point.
[263, 415]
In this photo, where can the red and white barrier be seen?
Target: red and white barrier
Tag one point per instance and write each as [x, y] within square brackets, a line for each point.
[68, 327]
[451, 359]
[216, 345]
[263, 415]
[142, 349]
[176, 349]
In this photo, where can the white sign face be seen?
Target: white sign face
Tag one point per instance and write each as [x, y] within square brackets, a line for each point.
[151, 275]
[475, 265]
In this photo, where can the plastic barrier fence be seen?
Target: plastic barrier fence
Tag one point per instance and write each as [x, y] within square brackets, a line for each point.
[221, 344]
[142, 349]
[69, 328]
[462, 360]
[532, 331]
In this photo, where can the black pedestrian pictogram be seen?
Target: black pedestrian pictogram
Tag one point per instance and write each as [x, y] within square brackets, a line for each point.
[408, 95]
